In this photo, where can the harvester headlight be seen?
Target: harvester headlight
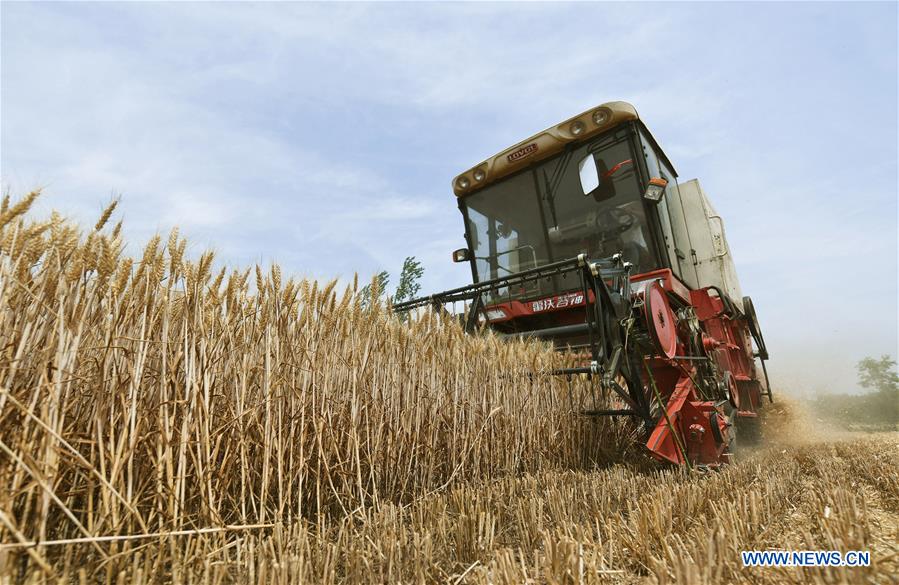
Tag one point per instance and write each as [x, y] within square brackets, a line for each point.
[655, 189]
[494, 314]
[577, 128]
[480, 175]
[600, 117]
[463, 183]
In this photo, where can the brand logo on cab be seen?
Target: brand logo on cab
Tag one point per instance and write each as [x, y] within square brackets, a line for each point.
[522, 152]
[558, 302]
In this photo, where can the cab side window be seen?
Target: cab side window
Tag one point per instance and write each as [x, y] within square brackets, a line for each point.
[671, 214]
[652, 166]
[683, 246]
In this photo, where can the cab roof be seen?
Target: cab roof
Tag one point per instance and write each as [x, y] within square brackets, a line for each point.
[543, 145]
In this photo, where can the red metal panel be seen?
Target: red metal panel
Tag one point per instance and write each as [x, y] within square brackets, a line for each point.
[550, 304]
[670, 282]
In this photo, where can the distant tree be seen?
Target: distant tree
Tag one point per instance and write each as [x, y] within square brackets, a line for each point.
[408, 286]
[877, 410]
[879, 375]
[409, 280]
[371, 292]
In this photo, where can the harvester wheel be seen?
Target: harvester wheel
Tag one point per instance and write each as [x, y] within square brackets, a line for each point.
[716, 429]
[730, 416]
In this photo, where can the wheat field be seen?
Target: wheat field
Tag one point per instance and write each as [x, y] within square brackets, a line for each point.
[164, 419]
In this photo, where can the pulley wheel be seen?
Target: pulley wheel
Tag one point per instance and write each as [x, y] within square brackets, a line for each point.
[660, 319]
[733, 391]
[749, 311]
[754, 328]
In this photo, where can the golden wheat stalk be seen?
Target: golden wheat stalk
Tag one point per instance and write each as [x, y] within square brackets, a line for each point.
[137, 405]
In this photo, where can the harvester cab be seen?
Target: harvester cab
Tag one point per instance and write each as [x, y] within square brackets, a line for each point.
[583, 236]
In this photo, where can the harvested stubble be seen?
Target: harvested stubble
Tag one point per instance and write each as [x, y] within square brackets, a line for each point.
[617, 525]
[155, 396]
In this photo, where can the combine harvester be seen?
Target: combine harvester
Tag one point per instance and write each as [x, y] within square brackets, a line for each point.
[582, 235]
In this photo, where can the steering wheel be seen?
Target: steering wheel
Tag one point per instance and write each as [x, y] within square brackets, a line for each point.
[611, 223]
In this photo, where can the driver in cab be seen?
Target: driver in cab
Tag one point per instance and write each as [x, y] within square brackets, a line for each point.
[614, 225]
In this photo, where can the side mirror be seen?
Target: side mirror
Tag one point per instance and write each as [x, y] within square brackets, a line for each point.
[589, 174]
[461, 255]
[655, 189]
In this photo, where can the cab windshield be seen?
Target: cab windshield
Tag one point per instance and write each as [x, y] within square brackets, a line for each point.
[542, 215]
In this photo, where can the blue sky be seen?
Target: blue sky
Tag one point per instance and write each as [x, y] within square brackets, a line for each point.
[325, 136]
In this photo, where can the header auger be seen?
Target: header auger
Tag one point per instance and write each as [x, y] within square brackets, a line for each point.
[582, 235]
